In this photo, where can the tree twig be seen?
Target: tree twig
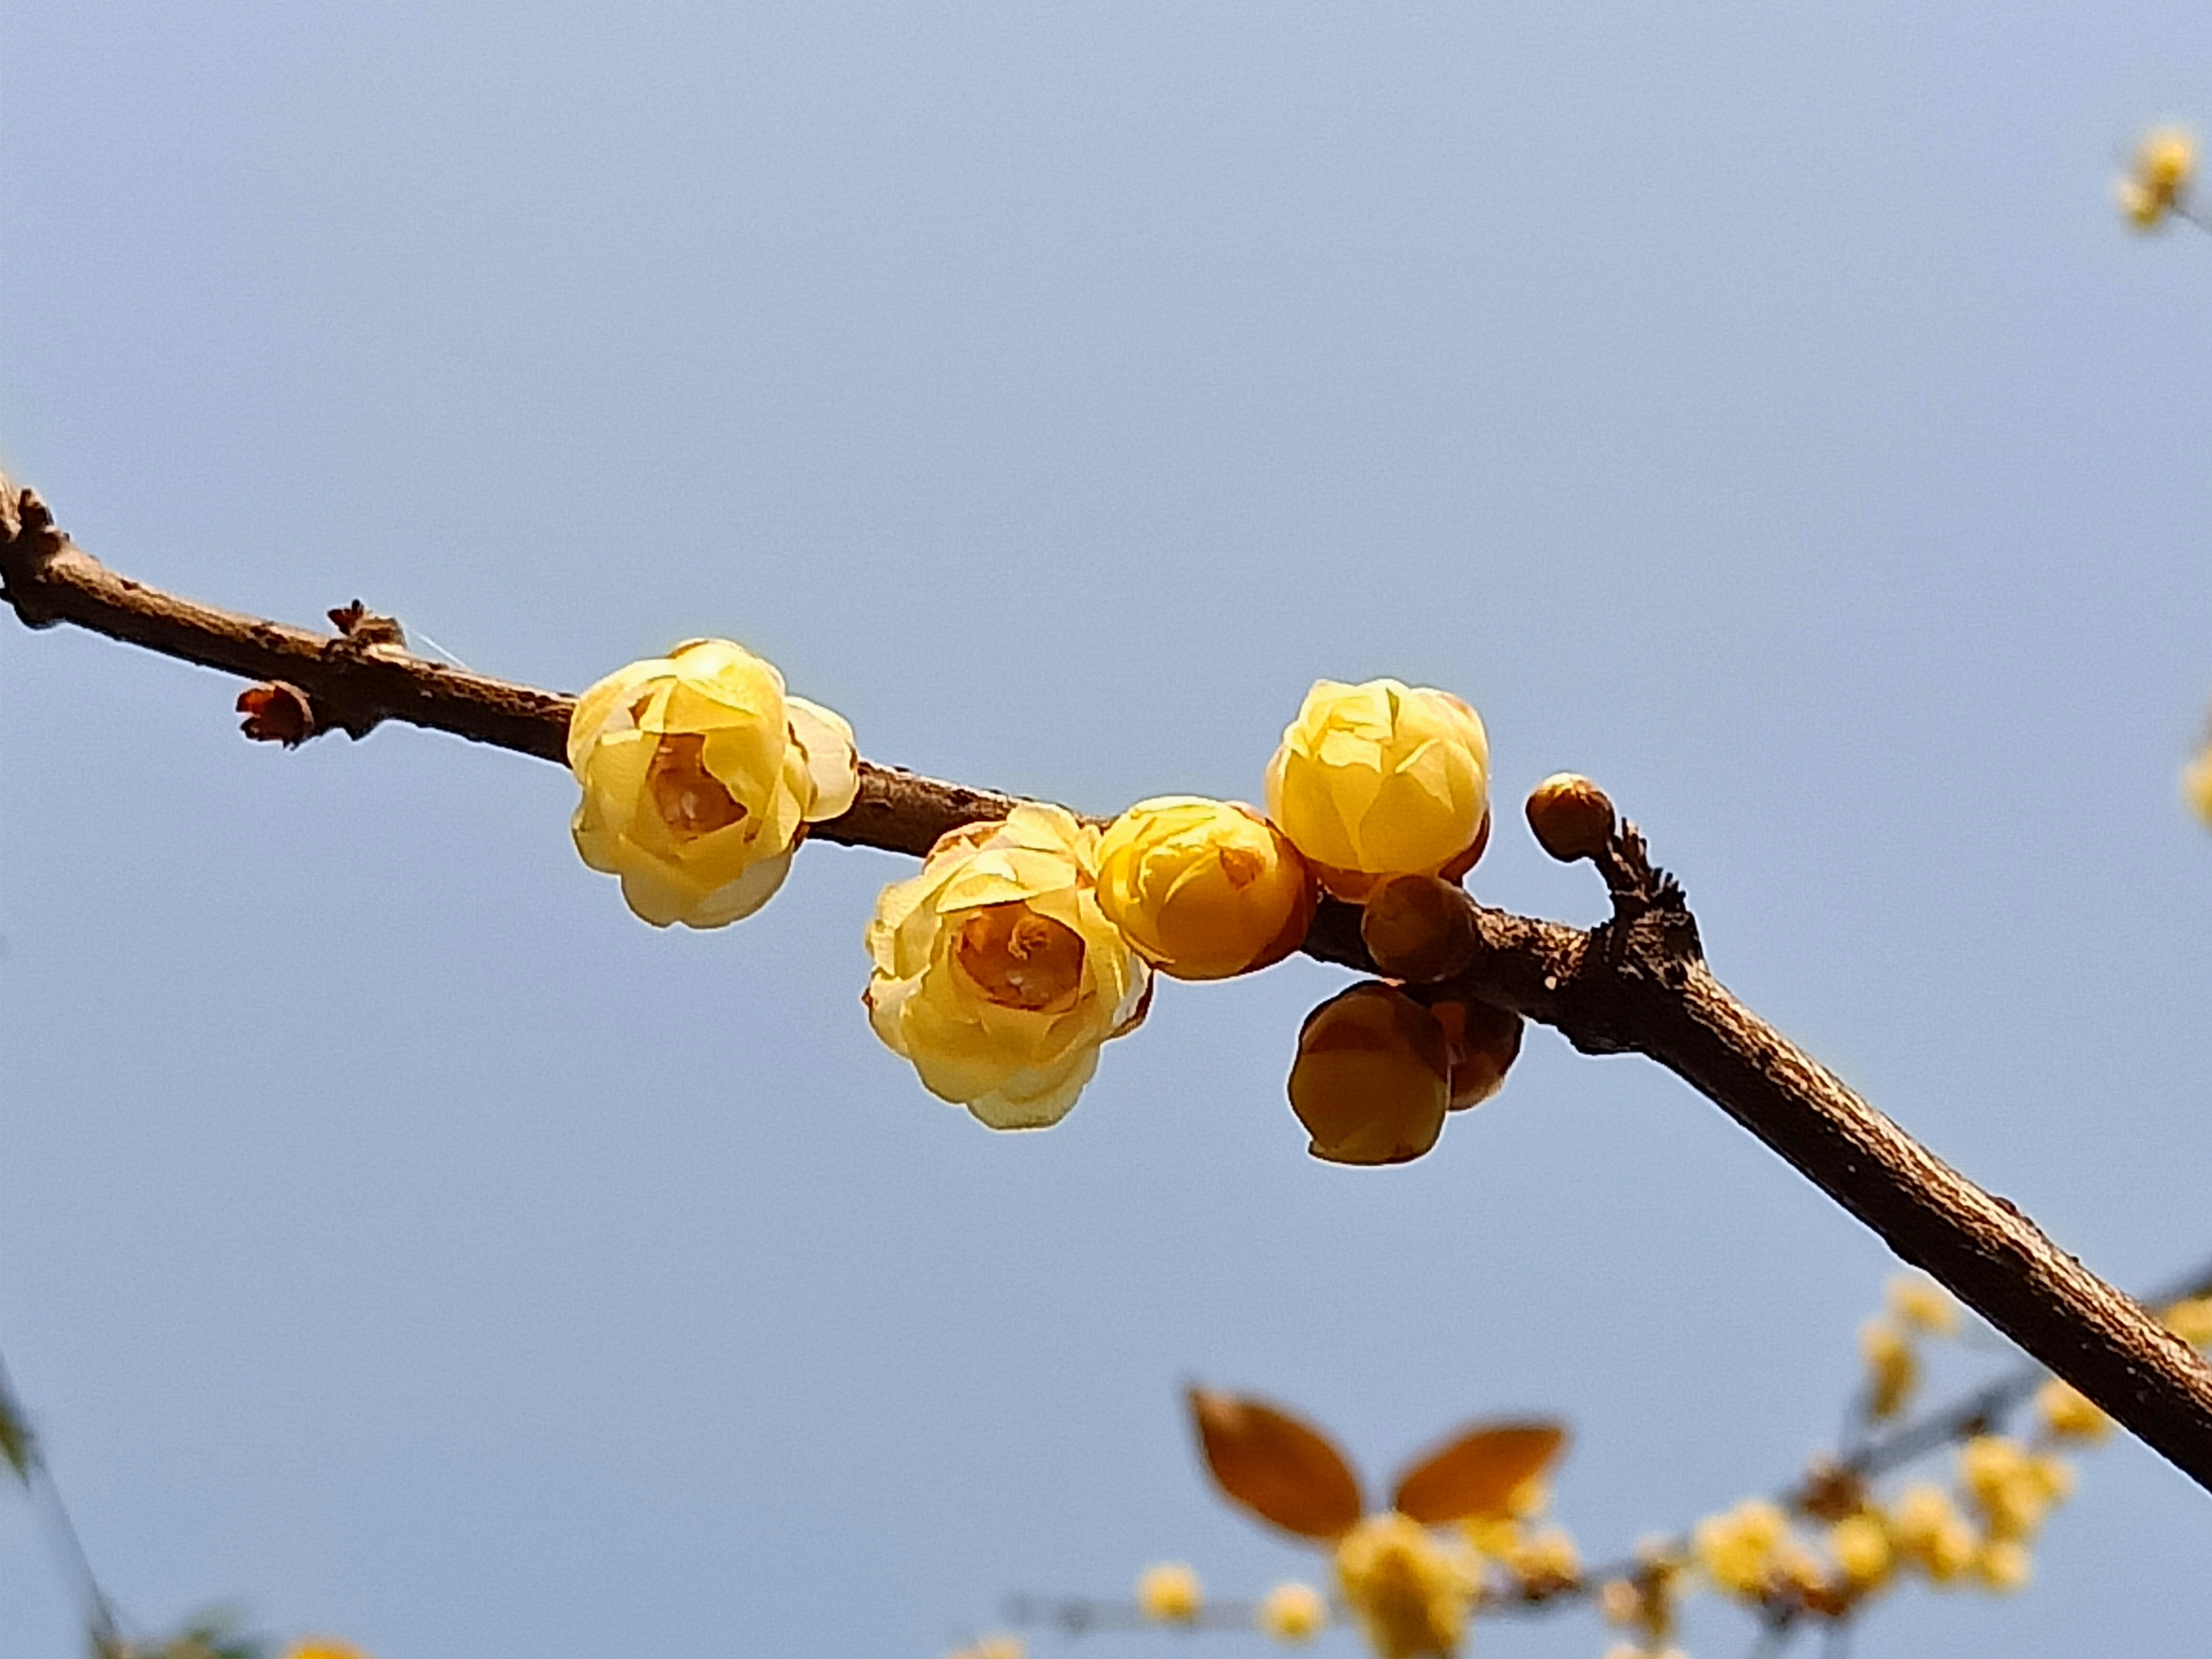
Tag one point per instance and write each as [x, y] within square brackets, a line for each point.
[1635, 983]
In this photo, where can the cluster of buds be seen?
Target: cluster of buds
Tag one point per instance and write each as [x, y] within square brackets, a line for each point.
[1025, 945]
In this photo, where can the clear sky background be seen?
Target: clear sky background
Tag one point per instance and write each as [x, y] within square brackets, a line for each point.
[1759, 408]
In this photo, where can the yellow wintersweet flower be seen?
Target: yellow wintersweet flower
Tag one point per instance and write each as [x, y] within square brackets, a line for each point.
[997, 974]
[2190, 1320]
[323, 1647]
[2069, 1414]
[1929, 1534]
[1382, 780]
[2163, 167]
[2196, 784]
[1546, 1558]
[2013, 1490]
[1292, 1613]
[1918, 1304]
[700, 777]
[1373, 1076]
[1892, 1369]
[2004, 1566]
[1410, 1594]
[1860, 1544]
[1169, 1594]
[1739, 1549]
[1203, 889]
[993, 1647]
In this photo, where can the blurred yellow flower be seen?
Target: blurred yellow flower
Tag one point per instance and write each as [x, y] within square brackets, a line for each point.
[1382, 780]
[1372, 1079]
[2014, 1489]
[1927, 1532]
[1203, 889]
[1544, 1558]
[1860, 1544]
[2069, 1414]
[1169, 1594]
[1410, 1593]
[997, 974]
[2190, 1320]
[1892, 1369]
[1292, 1613]
[2004, 1566]
[992, 1647]
[323, 1647]
[1738, 1550]
[2164, 164]
[1920, 1304]
[2196, 785]
[700, 777]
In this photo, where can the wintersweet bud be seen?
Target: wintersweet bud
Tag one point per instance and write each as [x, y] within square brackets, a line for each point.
[1418, 928]
[1372, 1079]
[1409, 1592]
[1571, 816]
[1482, 1042]
[2163, 167]
[700, 777]
[997, 974]
[1169, 1594]
[1292, 1612]
[1382, 780]
[2069, 1414]
[1203, 889]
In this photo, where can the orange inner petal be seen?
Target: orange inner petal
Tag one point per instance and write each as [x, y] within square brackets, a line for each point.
[691, 801]
[1019, 959]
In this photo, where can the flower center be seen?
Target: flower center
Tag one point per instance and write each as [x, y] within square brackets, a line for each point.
[692, 800]
[1019, 959]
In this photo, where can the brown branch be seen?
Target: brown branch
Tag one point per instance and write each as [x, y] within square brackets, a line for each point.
[1636, 983]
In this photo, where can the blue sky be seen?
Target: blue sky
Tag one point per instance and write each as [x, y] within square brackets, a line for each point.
[1763, 412]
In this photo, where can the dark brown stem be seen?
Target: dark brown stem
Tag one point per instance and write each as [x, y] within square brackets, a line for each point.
[1636, 983]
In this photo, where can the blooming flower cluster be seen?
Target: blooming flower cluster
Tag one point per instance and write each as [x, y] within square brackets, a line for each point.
[1026, 945]
[1466, 1529]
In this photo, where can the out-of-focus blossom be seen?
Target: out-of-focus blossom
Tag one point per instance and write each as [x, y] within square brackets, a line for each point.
[1920, 1304]
[1892, 1369]
[1169, 1594]
[1382, 780]
[700, 777]
[1408, 1590]
[1292, 1613]
[997, 974]
[2165, 163]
